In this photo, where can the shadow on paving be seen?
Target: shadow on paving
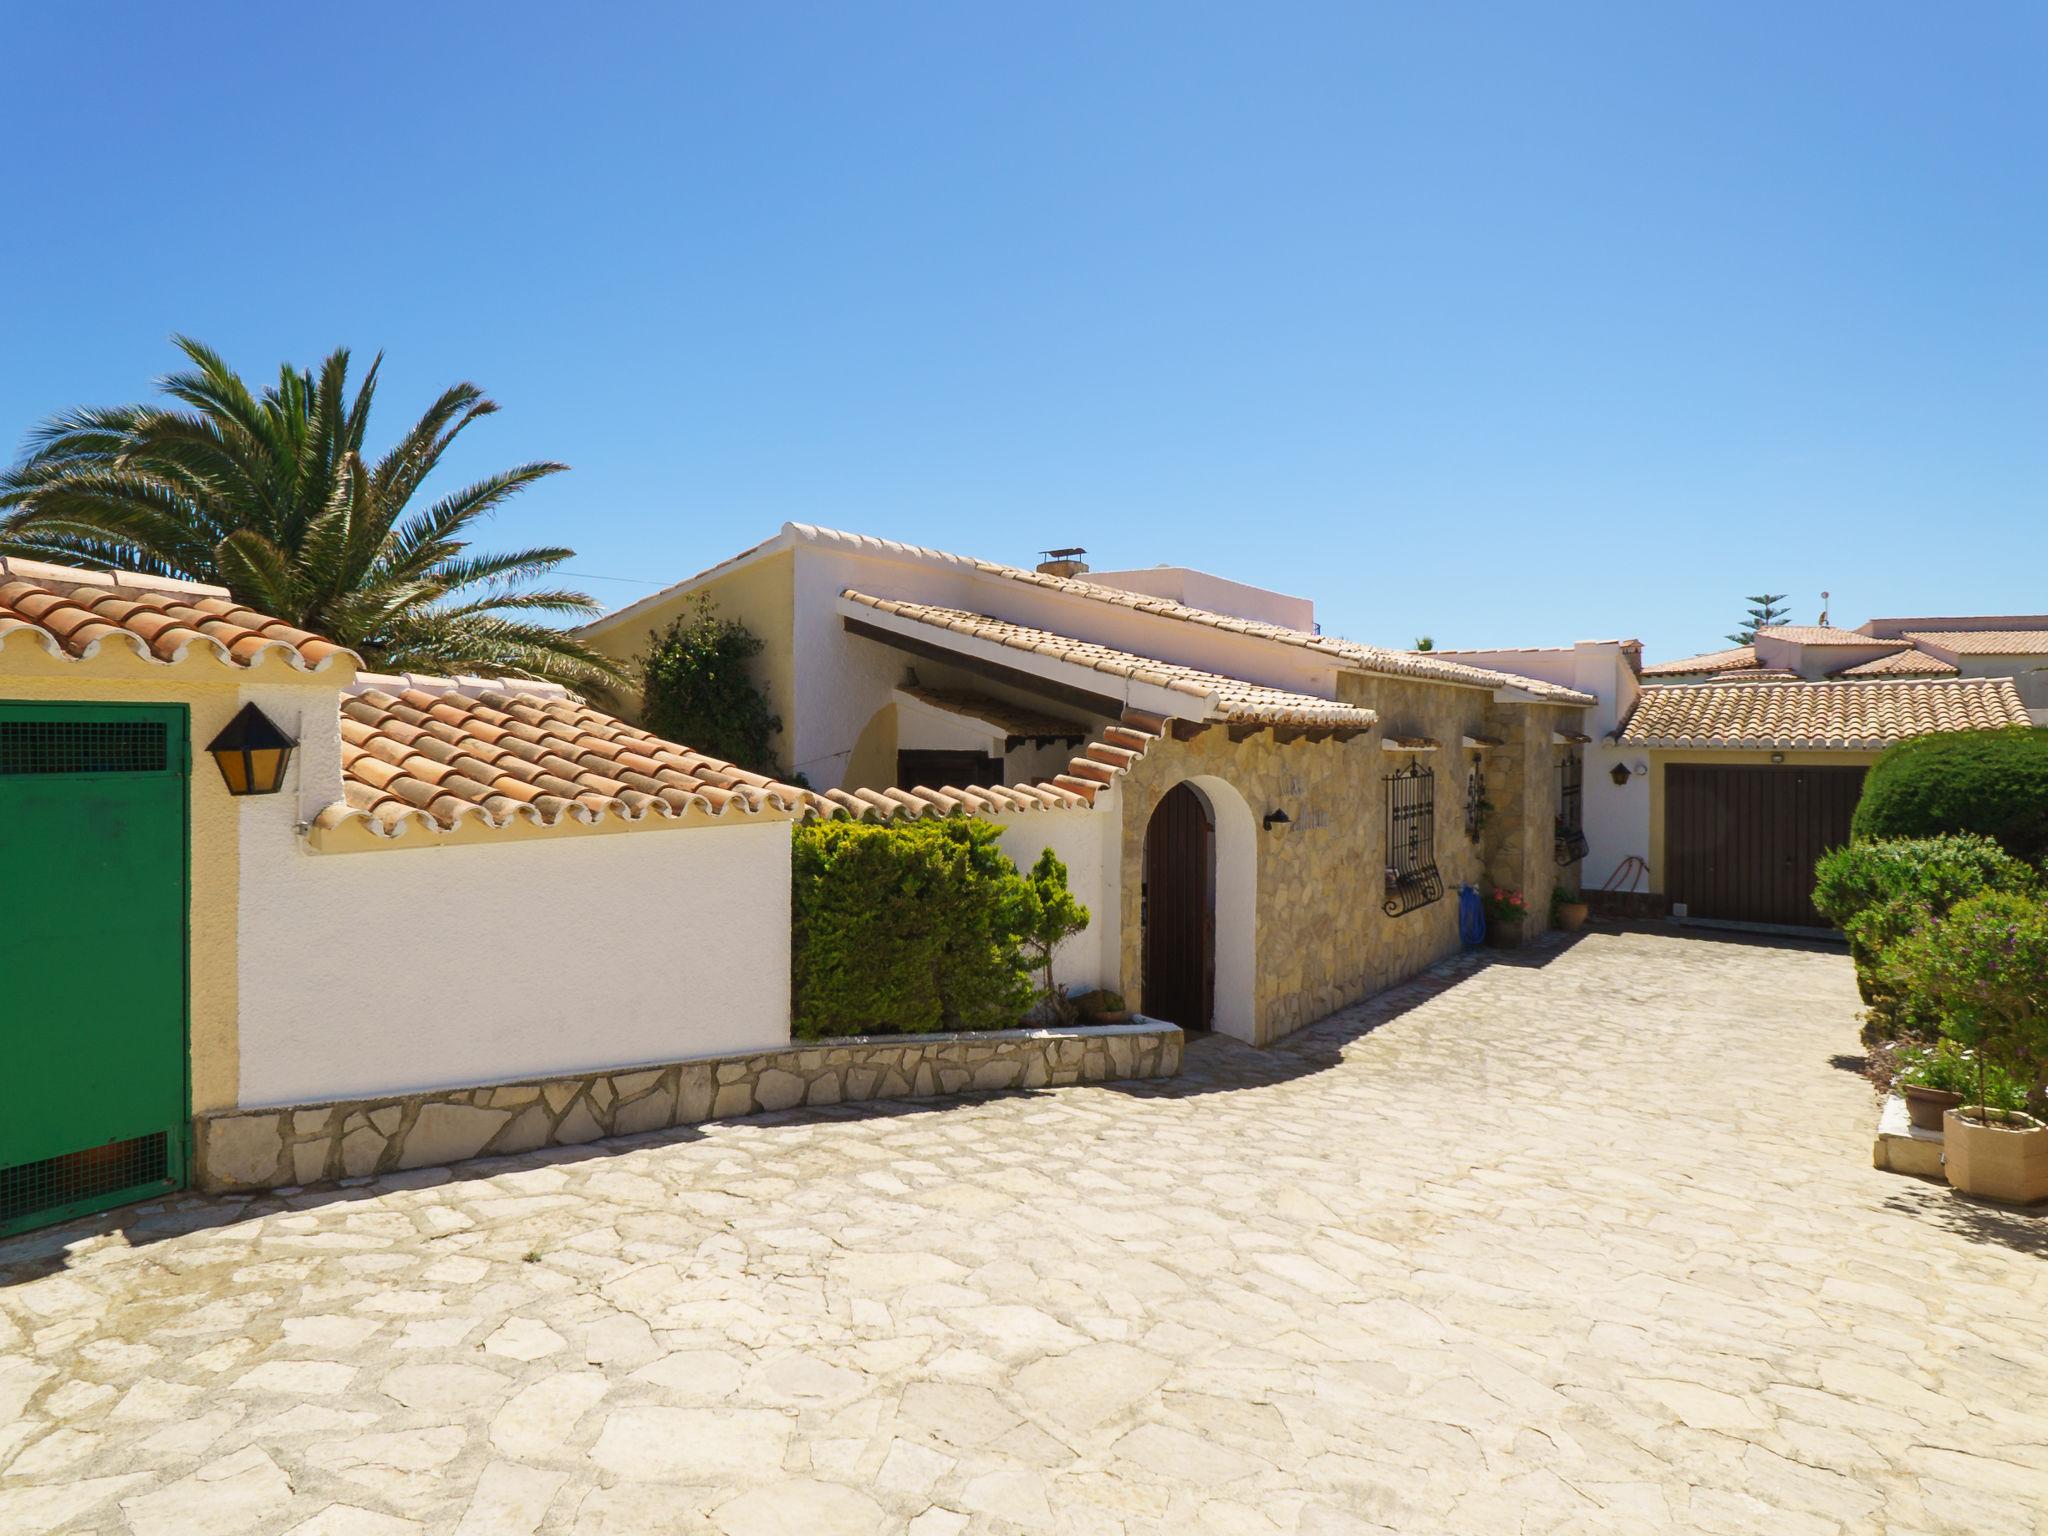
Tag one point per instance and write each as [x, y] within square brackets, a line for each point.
[1211, 1064]
[2024, 1229]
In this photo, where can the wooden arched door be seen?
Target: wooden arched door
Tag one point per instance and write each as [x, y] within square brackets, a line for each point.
[1178, 910]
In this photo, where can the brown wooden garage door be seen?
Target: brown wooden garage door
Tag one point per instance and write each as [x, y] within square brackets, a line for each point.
[1740, 843]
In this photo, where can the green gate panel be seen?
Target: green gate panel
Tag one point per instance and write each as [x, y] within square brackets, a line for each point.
[93, 954]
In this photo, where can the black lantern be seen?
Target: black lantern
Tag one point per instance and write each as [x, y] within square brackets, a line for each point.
[1274, 819]
[252, 753]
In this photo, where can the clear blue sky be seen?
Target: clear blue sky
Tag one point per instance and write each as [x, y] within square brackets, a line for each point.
[1509, 324]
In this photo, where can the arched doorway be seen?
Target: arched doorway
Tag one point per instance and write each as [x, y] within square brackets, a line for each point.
[1178, 910]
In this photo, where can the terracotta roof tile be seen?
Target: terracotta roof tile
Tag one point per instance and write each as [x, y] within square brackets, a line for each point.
[1820, 634]
[76, 613]
[1862, 715]
[1228, 698]
[437, 754]
[1737, 659]
[1985, 642]
[1901, 664]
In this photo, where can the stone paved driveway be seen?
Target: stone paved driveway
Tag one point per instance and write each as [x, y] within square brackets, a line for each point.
[1587, 1245]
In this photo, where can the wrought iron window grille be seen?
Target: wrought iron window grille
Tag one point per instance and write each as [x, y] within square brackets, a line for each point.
[1412, 877]
[1571, 825]
[1476, 803]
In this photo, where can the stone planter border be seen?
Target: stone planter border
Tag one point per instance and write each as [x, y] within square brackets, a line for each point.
[309, 1143]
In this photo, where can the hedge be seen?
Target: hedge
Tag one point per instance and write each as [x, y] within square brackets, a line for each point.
[906, 928]
[1881, 892]
[1990, 782]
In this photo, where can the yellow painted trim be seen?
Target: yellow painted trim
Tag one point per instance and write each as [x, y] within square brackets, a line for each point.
[1794, 758]
[354, 836]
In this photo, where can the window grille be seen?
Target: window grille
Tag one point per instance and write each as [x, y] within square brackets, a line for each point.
[83, 746]
[1571, 825]
[1476, 803]
[1412, 878]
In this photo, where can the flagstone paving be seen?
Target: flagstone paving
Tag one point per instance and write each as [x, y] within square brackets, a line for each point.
[1586, 1241]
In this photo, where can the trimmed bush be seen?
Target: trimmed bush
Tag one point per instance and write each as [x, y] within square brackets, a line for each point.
[1879, 893]
[906, 928]
[1994, 783]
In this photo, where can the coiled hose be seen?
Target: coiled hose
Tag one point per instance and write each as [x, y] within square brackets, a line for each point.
[1471, 916]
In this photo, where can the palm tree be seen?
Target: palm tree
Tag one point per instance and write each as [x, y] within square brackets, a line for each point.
[274, 498]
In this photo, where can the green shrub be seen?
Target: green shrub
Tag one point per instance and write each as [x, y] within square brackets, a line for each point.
[1879, 892]
[1052, 916]
[905, 928]
[694, 689]
[1983, 970]
[1989, 782]
[1951, 1068]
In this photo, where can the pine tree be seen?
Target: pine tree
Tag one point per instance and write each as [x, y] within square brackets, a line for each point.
[1764, 612]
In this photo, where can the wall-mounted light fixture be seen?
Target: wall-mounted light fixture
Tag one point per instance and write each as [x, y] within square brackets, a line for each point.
[1277, 819]
[1777, 757]
[252, 753]
[1619, 773]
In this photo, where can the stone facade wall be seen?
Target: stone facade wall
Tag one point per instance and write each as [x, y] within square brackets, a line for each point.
[304, 1144]
[1522, 777]
[1324, 939]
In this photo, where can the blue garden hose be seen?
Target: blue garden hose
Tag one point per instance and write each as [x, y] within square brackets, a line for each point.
[1471, 916]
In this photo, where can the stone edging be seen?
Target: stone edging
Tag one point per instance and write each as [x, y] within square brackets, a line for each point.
[304, 1144]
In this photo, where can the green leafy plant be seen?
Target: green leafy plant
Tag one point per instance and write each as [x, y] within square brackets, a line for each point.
[1951, 1068]
[1880, 892]
[905, 928]
[1764, 612]
[695, 688]
[1994, 783]
[1504, 906]
[276, 497]
[1100, 1003]
[1983, 969]
[1052, 916]
[1561, 896]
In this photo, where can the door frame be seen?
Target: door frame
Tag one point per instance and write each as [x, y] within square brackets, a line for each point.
[178, 1137]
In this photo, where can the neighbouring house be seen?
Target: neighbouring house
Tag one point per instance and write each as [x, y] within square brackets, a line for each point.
[1265, 821]
[2013, 646]
[1748, 762]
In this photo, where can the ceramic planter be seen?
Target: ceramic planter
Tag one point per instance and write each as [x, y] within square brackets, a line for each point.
[2001, 1157]
[1926, 1106]
[1113, 1016]
[1506, 932]
[1571, 915]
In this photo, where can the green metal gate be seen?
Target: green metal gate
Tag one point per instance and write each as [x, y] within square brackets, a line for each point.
[93, 864]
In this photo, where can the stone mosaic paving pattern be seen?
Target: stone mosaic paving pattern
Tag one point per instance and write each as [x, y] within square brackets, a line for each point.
[1585, 1241]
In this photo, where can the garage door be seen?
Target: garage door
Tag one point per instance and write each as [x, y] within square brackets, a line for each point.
[1740, 843]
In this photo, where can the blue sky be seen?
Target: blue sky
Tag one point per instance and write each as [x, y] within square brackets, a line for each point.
[1509, 325]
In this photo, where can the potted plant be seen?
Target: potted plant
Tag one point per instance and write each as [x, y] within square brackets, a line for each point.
[1983, 969]
[1507, 918]
[1935, 1079]
[1566, 910]
[1103, 1006]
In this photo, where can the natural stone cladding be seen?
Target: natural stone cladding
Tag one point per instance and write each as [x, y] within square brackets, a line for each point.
[1323, 937]
[305, 1144]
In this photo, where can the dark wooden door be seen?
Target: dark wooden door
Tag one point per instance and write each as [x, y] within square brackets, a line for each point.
[1740, 843]
[1179, 910]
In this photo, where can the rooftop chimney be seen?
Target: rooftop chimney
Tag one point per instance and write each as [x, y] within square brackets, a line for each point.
[1062, 562]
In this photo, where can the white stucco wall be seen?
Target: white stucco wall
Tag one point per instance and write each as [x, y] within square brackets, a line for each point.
[1090, 844]
[429, 967]
[1218, 594]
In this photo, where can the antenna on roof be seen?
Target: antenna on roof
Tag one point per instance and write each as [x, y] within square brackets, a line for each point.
[1824, 611]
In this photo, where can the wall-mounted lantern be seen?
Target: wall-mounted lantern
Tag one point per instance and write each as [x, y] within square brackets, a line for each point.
[1619, 773]
[252, 753]
[1274, 819]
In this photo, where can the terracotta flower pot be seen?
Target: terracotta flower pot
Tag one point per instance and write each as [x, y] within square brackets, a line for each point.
[1571, 915]
[1114, 1016]
[1505, 932]
[1925, 1106]
[2001, 1156]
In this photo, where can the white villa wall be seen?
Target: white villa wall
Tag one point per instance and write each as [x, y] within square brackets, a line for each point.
[403, 970]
